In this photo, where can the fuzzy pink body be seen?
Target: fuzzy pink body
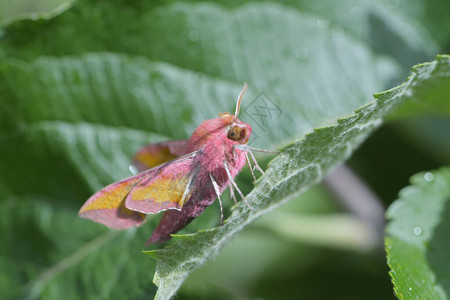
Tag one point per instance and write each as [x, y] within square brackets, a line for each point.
[215, 148]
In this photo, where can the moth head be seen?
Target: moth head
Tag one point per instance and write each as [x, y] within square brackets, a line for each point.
[237, 130]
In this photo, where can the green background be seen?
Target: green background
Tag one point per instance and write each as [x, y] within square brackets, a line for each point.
[320, 266]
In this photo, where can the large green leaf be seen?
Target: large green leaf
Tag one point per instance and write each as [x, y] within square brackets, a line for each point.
[285, 45]
[418, 243]
[301, 164]
[52, 254]
[395, 28]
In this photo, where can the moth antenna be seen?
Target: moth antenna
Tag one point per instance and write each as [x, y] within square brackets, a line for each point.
[216, 189]
[241, 95]
[247, 148]
[235, 185]
[250, 166]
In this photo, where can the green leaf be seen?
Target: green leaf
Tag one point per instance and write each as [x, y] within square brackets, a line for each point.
[429, 98]
[394, 28]
[58, 251]
[339, 61]
[301, 165]
[418, 243]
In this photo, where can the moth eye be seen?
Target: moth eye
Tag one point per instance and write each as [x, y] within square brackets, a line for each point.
[235, 133]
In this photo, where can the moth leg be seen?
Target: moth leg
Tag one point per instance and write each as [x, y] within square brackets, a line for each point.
[233, 195]
[235, 185]
[255, 162]
[249, 150]
[216, 189]
[250, 166]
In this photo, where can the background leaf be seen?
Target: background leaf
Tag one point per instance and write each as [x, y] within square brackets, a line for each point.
[84, 87]
[417, 244]
[240, 49]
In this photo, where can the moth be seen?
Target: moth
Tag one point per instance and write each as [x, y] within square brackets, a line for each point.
[181, 178]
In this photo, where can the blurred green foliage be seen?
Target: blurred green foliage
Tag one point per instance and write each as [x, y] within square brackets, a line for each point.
[19, 8]
[39, 223]
[418, 243]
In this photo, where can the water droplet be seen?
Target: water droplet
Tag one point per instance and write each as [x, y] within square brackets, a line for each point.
[302, 53]
[417, 230]
[193, 36]
[322, 23]
[428, 176]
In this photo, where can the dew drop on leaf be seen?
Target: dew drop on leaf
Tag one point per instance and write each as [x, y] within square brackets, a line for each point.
[429, 176]
[417, 230]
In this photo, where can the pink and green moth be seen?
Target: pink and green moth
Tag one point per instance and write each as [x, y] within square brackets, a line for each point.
[181, 178]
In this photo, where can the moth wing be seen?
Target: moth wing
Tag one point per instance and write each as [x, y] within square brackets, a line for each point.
[169, 188]
[107, 206]
[153, 155]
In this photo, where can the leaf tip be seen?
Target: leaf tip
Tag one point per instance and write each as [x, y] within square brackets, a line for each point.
[152, 253]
